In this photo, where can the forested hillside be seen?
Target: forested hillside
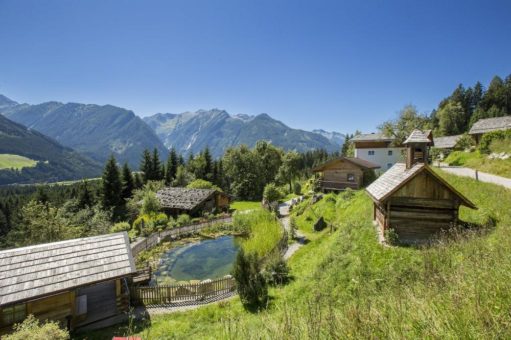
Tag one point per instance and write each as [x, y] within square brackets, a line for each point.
[93, 130]
[54, 161]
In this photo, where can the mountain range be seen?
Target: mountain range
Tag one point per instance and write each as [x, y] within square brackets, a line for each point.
[193, 131]
[93, 130]
[54, 161]
[97, 131]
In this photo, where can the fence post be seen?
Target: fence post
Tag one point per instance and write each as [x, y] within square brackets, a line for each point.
[477, 175]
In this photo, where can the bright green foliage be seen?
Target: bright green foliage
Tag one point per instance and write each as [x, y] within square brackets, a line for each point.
[182, 177]
[245, 205]
[408, 119]
[264, 230]
[8, 161]
[251, 284]
[202, 184]
[451, 119]
[289, 170]
[271, 193]
[150, 203]
[183, 219]
[120, 226]
[31, 328]
[494, 136]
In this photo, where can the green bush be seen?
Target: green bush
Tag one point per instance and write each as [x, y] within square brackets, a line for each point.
[183, 219]
[151, 204]
[202, 184]
[490, 137]
[276, 271]
[31, 328]
[121, 226]
[271, 193]
[144, 225]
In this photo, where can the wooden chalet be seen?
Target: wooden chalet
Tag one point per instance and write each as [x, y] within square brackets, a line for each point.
[486, 125]
[79, 283]
[343, 172]
[412, 199]
[194, 202]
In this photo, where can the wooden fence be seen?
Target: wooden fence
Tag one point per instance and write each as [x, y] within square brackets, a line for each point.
[155, 238]
[184, 294]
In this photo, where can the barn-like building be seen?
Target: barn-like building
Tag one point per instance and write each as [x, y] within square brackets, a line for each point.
[412, 199]
[194, 202]
[344, 172]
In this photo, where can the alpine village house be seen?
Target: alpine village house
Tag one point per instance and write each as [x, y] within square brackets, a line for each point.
[344, 172]
[194, 202]
[411, 199]
[80, 283]
[379, 149]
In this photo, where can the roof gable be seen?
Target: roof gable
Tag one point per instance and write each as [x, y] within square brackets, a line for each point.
[418, 136]
[397, 176]
[30, 272]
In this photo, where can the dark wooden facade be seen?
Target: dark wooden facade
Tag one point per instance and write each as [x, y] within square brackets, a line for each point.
[342, 173]
[414, 201]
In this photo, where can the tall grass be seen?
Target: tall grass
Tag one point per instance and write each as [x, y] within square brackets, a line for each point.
[481, 162]
[263, 229]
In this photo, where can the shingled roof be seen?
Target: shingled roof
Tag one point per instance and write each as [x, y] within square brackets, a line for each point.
[357, 161]
[372, 137]
[30, 272]
[397, 176]
[418, 136]
[183, 198]
[491, 124]
[447, 142]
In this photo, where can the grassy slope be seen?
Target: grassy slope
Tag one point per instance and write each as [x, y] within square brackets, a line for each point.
[8, 161]
[475, 160]
[245, 205]
[347, 285]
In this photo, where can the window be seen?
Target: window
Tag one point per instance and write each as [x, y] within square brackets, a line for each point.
[390, 153]
[370, 152]
[12, 314]
[351, 178]
[389, 165]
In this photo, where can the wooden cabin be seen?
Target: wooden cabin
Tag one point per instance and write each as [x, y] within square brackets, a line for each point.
[412, 199]
[194, 202]
[343, 172]
[79, 283]
[486, 125]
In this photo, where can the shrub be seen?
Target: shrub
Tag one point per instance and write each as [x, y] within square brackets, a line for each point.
[160, 221]
[271, 193]
[252, 287]
[297, 188]
[31, 328]
[183, 219]
[151, 204]
[144, 224]
[490, 137]
[121, 226]
[276, 271]
[465, 142]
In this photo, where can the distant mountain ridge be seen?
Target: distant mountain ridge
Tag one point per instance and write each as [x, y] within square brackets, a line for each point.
[55, 162]
[93, 130]
[218, 130]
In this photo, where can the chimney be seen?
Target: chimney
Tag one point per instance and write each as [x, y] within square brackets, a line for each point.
[417, 146]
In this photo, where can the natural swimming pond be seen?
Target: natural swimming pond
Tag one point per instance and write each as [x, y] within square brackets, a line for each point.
[207, 259]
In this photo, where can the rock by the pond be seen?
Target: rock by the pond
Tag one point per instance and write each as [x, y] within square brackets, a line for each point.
[320, 224]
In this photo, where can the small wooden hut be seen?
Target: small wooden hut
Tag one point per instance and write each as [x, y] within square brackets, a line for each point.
[412, 199]
[343, 172]
[194, 202]
[79, 283]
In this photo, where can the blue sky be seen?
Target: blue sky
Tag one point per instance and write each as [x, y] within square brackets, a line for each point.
[336, 65]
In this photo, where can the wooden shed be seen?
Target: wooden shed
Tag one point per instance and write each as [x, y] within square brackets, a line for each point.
[343, 172]
[80, 283]
[412, 199]
[195, 202]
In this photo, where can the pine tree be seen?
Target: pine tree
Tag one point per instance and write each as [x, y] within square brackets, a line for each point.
[41, 195]
[127, 182]
[157, 174]
[146, 166]
[111, 186]
[208, 164]
[138, 181]
[171, 168]
[85, 197]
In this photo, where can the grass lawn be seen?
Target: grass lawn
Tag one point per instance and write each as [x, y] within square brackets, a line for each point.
[346, 285]
[245, 205]
[476, 160]
[8, 161]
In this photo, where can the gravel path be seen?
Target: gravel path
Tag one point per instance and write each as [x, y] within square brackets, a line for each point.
[483, 176]
[285, 221]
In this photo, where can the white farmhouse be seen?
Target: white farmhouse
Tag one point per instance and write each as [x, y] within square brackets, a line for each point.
[379, 149]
